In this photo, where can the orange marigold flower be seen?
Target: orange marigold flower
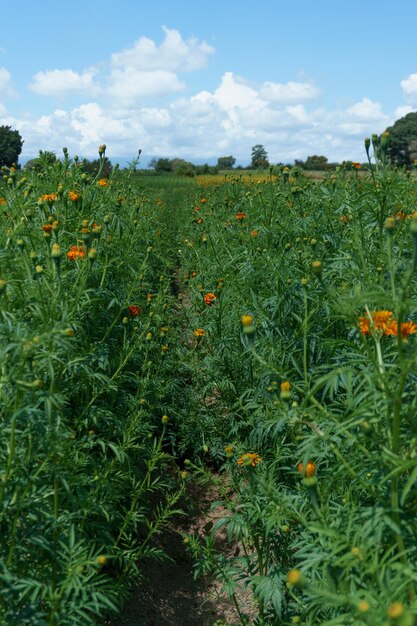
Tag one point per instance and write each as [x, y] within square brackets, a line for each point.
[254, 233]
[310, 468]
[47, 197]
[103, 182]
[3, 201]
[408, 328]
[47, 228]
[73, 196]
[210, 298]
[240, 216]
[249, 459]
[75, 252]
[199, 332]
[378, 321]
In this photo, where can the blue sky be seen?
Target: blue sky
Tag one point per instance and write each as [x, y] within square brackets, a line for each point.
[203, 80]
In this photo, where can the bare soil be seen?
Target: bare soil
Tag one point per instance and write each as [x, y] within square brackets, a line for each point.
[169, 595]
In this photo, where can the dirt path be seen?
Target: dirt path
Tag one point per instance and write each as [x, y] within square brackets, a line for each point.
[169, 595]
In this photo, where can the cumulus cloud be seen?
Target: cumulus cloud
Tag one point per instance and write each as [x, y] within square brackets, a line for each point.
[130, 83]
[289, 92]
[6, 87]
[64, 82]
[409, 87]
[173, 54]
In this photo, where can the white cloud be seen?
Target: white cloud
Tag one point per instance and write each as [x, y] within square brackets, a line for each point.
[409, 87]
[173, 54]
[130, 83]
[403, 110]
[366, 109]
[6, 88]
[289, 92]
[64, 82]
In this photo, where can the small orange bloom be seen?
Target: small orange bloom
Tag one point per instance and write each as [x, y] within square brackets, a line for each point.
[240, 216]
[210, 298]
[199, 332]
[3, 202]
[103, 182]
[254, 233]
[310, 469]
[73, 196]
[250, 459]
[47, 228]
[75, 252]
[47, 197]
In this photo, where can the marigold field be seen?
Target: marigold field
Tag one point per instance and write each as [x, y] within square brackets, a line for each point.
[158, 332]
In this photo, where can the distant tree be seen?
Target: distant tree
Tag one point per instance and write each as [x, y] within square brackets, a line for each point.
[402, 144]
[10, 146]
[259, 157]
[161, 165]
[226, 162]
[182, 167]
[315, 162]
[92, 167]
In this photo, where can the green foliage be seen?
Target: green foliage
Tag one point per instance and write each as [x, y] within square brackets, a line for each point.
[226, 162]
[402, 147]
[10, 146]
[259, 158]
[314, 163]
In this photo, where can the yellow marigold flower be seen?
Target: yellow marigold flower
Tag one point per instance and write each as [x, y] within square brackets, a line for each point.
[363, 606]
[165, 419]
[310, 468]
[285, 390]
[396, 609]
[199, 332]
[103, 182]
[246, 320]
[249, 459]
[295, 577]
[229, 451]
[102, 560]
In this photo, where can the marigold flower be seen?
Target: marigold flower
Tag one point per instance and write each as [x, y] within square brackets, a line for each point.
[310, 469]
[47, 197]
[246, 320]
[199, 332]
[363, 606]
[295, 577]
[103, 182]
[75, 252]
[230, 451]
[378, 321]
[240, 215]
[134, 311]
[254, 233]
[396, 609]
[73, 196]
[102, 560]
[47, 228]
[249, 459]
[210, 298]
[3, 202]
